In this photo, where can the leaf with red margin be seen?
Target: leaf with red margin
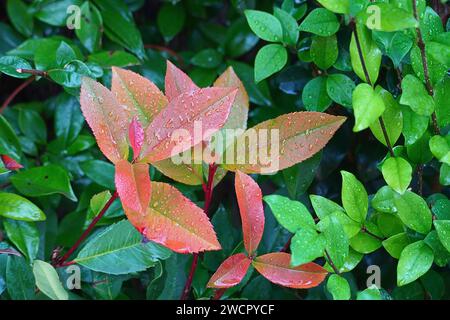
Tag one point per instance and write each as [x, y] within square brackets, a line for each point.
[206, 108]
[300, 136]
[177, 82]
[230, 272]
[249, 199]
[136, 137]
[107, 118]
[10, 163]
[133, 185]
[276, 268]
[140, 95]
[175, 221]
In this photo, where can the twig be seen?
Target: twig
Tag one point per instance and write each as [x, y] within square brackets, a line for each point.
[364, 230]
[420, 178]
[62, 262]
[15, 93]
[34, 72]
[208, 188]
[331, 263]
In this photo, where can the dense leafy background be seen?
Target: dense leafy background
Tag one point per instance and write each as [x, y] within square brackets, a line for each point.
[66, 179]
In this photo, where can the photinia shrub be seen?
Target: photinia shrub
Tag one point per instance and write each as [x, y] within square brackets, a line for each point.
[224, 149]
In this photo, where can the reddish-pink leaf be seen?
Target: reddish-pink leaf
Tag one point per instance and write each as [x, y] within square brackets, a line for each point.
[177, 82]
[107, 118]
[139, 94]
[276, 268]
[175, 221]
[195, 116]
[10, 163]
[133, 185]
[249, 198]
[136, 137]
[282, 142]
[230, 272]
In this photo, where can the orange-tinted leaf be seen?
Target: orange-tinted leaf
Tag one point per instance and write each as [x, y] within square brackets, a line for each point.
[175, 221]
[107, 119]
[10, 163]
[230, 272]
[177, 82]
[276, 268]
[249, 198]
[206, 108]
[136, 136]
[139, 94]
[133, 185]
[289, 139]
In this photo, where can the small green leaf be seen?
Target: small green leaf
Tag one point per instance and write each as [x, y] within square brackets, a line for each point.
[19, 279]
[289, 25]
[20, 16]
[320, 22]
[10, 64]
[354, 197]
[24, 235]
[443, 231]
[340, 89]
[306, 246]
[207, 58]
[397, 173]
[337, 243]
[32, 125]
[323, 206]
[91, 23]
[264, 25]
[440, 147]
[338, 287]
[413, 211]
[47, 280]
[371, 293]
[270, 59]
[171, 20]
[101, 172]
[16, 207]
[324, 51]
[368, 106]
[395, 244]
[415, 260]
[387, 17]
[337, 6]
[414, 125]
[314, 95]
[416, 96]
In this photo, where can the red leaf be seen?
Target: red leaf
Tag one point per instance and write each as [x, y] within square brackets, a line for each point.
[177, 82]
[107, 119]
[133, 185]
[136, 137]
[208, 108]
[230, 272]
[276, 268]
[10, 163]
[175, 222]
[249, 198]
[139, 94]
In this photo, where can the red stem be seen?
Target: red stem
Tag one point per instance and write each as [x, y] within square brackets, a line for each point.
[62, 262]
[15, 93]
[208, 188]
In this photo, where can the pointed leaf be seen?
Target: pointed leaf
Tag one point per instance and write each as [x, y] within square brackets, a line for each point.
[140, 95]
[16, 207]
[107, 119]
[47, 280]
[354, 197]
[175, 222]
[249, 198]
[397, 173]
[230, 272]
[177, 82]
[136, 137]
[133, 185]
[415, 260]
[276, 268]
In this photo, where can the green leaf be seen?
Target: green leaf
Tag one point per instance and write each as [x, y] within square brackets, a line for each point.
[9, 143]
[10, 64]
[306, 246]
[16, 207]
[118, 58]
[413, 211]
[32, 125]
[436, 70]
[289, 26]
[443, 231]
[299, 177]
[239, 38]
[54, 12]
[264, 25]
[440, 147]
[47, 280]
[19, 279]
[338, 287]
[41, 181]
[324, 51]
[395, 244]
[24, 235]
[101, 172]
[419, 151]
[441, 254]
[119, 250]
[371, 293]
[388, 17]
[414, 125]
[415, 260]
[389, 224]
[292, 215]
[395, 45]
[320, 22]
[337, 6]
[364, 243]
[442, 107]
[416, 96]
[444, 175]
[340, 89]
[371, 54]
[89, 31]
[171, 18]
[68, 118]
[368, 106]
[314, 95]
[20, 16]
[64, 54]
[324, 207]
[397, 173]
[354, 197]
[207, 58]
[337, 243]
[270, 59]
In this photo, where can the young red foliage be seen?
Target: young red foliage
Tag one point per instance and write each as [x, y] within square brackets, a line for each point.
[249, 199]
[133, 185]
[177, 82]
[10, 163]
[136, 137]
[230, 272]
[276, 268]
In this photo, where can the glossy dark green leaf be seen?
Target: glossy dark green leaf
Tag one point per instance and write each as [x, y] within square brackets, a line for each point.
[18, 13]
[289, 25]
[340, 89]
[19, 279]
[299, 177]
[89, 31]
[324, 51]
[16, 207]
[32, 125]
[314, 95]
[208, 58]
[68, 119]
[24, 235]
[10, 64]
[100, 172]
[171, 20]
[9, 143]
